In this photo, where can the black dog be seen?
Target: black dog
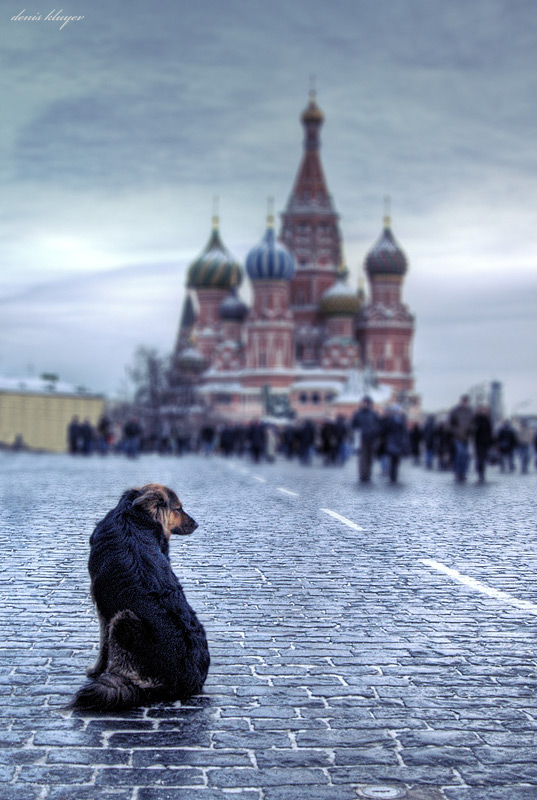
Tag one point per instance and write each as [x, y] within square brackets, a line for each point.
[153, 646]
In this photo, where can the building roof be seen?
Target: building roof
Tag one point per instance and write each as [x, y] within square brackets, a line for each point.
[43, 385]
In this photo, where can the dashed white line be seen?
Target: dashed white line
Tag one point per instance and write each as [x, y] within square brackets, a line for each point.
[346, 521]
[260, 479]
[472, 583]
[288, 491]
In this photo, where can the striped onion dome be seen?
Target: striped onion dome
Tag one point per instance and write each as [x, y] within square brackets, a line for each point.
[215, 268]
[270, 260]
[232, 308]
[386, 257]
[339, 300]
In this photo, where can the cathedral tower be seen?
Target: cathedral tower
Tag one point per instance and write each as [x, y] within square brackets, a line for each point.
[385, 327]
[270, 330]
[310, 230]
[211, 276]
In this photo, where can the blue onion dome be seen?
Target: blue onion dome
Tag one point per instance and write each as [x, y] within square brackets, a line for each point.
[215, 268]
[386, 257]
[232, 309]
[270, 260]
[340, 300]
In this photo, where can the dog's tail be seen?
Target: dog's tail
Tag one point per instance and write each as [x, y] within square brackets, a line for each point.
[108, 692]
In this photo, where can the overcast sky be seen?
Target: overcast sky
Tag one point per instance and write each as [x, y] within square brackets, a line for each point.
[118, 129]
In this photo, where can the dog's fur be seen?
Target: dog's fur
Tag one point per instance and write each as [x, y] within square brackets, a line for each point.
[153, 647]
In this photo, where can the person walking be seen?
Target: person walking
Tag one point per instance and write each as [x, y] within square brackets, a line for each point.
[257, 436]
[430, 440]
[460, 422]
[396, 439]
[524, 436]
[74, 436]
[367, 421]
[507, 443]
[482, 435]
[416, 438]
[87, 435]
[132, 434]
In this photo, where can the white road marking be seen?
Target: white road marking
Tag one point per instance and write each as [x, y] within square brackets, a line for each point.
[288, 491]
[260, 479]
[504, 597]
[346, 521]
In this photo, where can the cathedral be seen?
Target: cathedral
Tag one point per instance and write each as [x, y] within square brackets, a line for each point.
[309, 345]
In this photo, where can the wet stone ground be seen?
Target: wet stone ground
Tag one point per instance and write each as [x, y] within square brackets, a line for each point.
[346, 661]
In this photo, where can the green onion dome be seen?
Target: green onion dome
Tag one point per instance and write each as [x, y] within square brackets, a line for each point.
[339, 300]
[386, 257]
[215, 268]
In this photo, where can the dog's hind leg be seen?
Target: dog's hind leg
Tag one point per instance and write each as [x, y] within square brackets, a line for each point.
[128, 647]
[102, 659]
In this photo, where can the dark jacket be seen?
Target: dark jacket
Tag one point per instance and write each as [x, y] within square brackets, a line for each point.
[482, 430]
[460, 422]
[395, 432]
[368, 422]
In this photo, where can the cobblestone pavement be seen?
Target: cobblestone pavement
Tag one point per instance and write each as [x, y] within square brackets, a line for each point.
[346, 661]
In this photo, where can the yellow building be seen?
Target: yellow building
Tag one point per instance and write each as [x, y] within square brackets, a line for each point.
[35, 415]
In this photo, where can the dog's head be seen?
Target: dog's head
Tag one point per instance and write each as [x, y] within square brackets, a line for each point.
[165, 507]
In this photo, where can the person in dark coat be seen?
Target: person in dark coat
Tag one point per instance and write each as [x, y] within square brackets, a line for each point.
[341, 436]
[416, 437]
[430, 440]
[208, 437]
[366, 420]
[460, 422]
[507, 442]
[257, 436]
[104, 435]
[132, 434]
[397, 442]
[482, 434]
[306, 440]
[87, 436]
[74, 436]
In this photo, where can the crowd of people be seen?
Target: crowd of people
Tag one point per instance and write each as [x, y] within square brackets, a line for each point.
[446, 443]
[85, 439]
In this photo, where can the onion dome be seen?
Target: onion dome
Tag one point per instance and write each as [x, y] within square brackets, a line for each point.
[339, 300]
[270, 260]
[312, 112]
[191, 360]
[386, 257]
[232, 309]
[215, 268]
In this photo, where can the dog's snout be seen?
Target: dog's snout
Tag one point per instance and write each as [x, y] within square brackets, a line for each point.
[185, 524]
[192, 523]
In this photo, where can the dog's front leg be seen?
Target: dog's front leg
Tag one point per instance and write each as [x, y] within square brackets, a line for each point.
[102, 659]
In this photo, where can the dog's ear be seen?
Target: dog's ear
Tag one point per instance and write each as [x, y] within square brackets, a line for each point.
[154, 500]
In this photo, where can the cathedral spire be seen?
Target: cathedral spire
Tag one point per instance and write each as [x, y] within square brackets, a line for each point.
[310, 191]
